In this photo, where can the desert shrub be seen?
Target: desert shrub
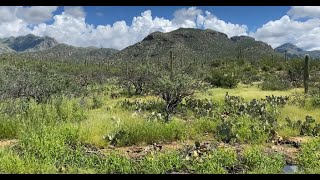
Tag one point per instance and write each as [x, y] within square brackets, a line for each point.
[259, 162]
[264, 109]
[17, 115]
[308, 157]
[295, 72]
[161, 163]
[298, 99]
[249, 75]
[204, 125]
[308, 127]
[241, 129]
[148, 132]
[315, 101]
[35, 84]
[57, 149]
[173, 88]
[138, 80]
[215, 162]
[250, 121]
[142, 105]
[97, 102]
[13, 163]
[201, 107]
[274, 83]
[222, 78]
[111, 163]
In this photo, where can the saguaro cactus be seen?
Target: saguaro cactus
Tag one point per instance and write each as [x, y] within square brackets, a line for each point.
[171, 60]
[127, 69]
[285, 55]
[306, 73]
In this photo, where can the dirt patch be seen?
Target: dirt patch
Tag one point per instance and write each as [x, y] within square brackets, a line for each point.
[5, 143]
[137, 152]
[290, 147]
[297, 140]
[290, 153]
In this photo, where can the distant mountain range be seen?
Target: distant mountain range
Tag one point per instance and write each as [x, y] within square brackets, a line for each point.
[28, 43]
[46, 48]
[186, 43]
[295, 52]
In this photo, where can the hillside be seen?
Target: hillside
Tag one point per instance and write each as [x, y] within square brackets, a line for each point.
[5, 49]
[191, 43]
[67, 52]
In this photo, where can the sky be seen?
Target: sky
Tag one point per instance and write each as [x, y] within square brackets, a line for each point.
[121, 26]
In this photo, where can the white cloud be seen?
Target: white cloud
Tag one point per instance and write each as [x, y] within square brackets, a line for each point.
[186, 18]
[16, 21]
[212, 22]
[72, 29]
[304, 11]
[14, 28]
[36, 14]
[75, 11]
[70, 26]
[288, 29]
[7, 14]
[194, 18]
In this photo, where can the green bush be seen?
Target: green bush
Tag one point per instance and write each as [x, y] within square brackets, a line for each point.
[57, 149]
[259, 162]
[274, 83]
[150, 132]
[17, 115]
[97, 102]
[222, 78]
[161, 163]
[216, 162]
[315, 101]
[308, 157]
[241, 129]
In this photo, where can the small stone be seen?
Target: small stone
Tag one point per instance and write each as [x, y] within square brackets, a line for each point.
[195, 154]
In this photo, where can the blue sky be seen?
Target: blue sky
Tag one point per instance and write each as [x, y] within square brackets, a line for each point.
[121, 26]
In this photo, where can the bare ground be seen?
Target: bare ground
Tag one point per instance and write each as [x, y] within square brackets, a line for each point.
[5, 143]
[289, 147]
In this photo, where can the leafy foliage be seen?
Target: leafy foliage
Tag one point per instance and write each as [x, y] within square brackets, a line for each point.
[274, 83]
[223, 78]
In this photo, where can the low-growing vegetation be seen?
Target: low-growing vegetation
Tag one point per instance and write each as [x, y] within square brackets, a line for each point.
[178, 116]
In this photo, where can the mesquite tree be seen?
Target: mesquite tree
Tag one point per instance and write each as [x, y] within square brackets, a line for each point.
[138, 78]
[173, 89]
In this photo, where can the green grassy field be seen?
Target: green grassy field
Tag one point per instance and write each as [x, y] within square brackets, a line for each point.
[61, 147]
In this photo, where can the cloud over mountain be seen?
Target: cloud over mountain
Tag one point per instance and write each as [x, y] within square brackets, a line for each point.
[289, 28]
[70, 26]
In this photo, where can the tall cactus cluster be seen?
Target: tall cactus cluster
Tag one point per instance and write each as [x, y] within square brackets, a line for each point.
[306, 73]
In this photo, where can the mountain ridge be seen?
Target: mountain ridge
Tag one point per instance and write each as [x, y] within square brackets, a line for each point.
[29, 43]
[294, 51]
[198, 43]
[186, 43]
